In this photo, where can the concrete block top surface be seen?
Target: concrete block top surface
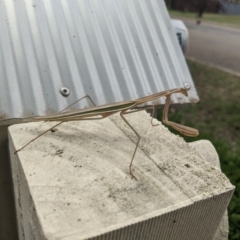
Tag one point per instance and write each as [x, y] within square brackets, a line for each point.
[78, 176]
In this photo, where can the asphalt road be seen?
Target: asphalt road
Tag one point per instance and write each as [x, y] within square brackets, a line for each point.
[215, 45]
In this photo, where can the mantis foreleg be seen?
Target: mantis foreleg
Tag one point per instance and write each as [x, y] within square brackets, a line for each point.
[187, 131]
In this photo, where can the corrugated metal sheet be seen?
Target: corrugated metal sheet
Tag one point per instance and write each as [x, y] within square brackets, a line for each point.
[113, 50]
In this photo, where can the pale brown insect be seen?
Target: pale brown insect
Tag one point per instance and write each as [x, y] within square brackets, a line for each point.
[124, 107]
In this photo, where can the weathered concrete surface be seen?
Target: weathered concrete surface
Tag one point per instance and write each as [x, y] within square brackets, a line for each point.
[74, 183]
[8, 227]
[207, 150]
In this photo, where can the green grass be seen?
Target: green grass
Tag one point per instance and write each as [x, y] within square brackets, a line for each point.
[217, 117]
[229, 20]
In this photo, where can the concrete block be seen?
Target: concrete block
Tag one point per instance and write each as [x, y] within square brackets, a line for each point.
[8, 223]
[74, 183]
[207, 150]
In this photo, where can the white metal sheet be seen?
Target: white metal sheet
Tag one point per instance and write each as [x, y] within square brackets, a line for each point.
[112, 50]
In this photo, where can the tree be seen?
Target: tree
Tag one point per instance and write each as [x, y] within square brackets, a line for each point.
[202, 5]
[199, 6]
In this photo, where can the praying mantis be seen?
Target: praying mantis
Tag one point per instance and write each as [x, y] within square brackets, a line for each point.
[124, 107]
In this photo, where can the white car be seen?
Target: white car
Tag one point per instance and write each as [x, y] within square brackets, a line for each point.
[182, 34]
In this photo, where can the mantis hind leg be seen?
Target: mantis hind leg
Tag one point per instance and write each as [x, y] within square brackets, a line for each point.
[37, 137]
[52, 128]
